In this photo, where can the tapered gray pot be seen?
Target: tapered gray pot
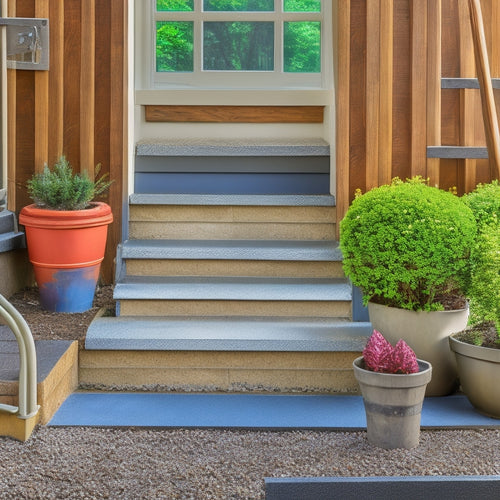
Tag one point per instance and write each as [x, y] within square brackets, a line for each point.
[393, 404]
[427, 334]
[479, 373]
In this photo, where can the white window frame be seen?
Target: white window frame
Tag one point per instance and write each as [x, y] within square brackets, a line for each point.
[198, 80]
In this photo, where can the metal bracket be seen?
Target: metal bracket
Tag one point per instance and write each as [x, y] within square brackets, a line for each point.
[27, 42]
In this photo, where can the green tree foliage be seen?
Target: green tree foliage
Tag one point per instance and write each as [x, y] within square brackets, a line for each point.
[237, 45]
[174, 46]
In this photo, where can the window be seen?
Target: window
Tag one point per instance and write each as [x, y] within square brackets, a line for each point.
[238, 43]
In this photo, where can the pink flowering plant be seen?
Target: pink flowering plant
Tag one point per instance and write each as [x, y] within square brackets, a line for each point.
[380, 356]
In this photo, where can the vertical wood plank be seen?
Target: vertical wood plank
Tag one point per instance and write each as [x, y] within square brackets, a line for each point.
[118, 126]
[373, 56]
[72, 69]
[56, 81]
[468, 100]
[343, 109]
[490, 118]
[357, 96]
[11, 127]
[87, 88]
[386, 90]
[41, 103]
[434, 86]
[419, 86]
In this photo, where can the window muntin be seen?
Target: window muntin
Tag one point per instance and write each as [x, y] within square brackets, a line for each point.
[238, 43]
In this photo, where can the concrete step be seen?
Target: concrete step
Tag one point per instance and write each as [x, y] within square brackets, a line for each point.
[221, 353]
[233, 296]
[225, 334]
[232, 217]
[313, 259]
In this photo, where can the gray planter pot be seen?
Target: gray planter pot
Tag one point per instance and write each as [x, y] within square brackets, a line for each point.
[427, 334]
[479, 373]
[393, 404]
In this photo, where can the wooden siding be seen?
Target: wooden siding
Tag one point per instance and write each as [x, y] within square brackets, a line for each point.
[390, 105]
[390, 55]
[77, 108]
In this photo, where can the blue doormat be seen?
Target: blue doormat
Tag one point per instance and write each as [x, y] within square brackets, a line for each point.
[247, 411]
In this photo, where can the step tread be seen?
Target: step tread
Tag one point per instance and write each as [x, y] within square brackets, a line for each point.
[224, 147]
[12, 241]
[224, 334]
[282, 250]
[232, 288]
[299, 200]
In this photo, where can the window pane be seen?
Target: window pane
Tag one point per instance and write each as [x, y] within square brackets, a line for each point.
[174, 46]
[302, 47]
[243, 5]
[302, 6]
[238, 46]
[174, 5]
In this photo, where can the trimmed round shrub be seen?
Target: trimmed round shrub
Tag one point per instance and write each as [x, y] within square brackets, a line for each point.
[484, 202]
[407, 244]
[484, 290]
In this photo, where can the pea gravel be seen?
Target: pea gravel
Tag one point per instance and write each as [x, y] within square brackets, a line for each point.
[88, 463]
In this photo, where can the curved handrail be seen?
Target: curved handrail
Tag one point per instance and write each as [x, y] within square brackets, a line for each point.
[27, 404]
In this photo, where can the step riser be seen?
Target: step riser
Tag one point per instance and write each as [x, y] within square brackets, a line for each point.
[231, 231]
[297, 269]
[327, 309]
[204, 213]
[212, 371]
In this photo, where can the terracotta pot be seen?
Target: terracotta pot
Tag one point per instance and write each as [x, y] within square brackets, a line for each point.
[393, 404]
[427, 334]
[66, 249]
[479, 373]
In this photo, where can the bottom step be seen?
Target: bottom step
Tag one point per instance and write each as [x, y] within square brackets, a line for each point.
[222, 354]
[226, 334]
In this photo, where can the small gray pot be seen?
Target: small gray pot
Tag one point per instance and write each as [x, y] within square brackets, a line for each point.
[393, 404]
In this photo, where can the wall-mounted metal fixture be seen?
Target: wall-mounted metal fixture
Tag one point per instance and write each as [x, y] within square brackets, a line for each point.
[27, 42]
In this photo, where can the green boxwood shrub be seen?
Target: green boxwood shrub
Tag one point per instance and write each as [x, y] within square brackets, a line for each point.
[407, 244]
[61, 189]
[484, 290]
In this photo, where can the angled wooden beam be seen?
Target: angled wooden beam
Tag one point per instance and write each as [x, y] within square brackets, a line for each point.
[490, 118]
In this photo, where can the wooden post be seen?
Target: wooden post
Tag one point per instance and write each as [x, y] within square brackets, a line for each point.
[490, 118]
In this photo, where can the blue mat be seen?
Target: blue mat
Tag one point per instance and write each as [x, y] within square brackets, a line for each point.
[247, 411]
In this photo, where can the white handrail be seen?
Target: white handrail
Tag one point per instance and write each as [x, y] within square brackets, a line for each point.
[27, 404]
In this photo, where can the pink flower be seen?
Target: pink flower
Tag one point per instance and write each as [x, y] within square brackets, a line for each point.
[380, 356]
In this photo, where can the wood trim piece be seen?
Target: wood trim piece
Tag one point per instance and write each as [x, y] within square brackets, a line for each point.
[87, 88]
[343, 110]
[373, 59]
[11, 127]
[41, 103]
[56, 81]
[434, 19]
[386, 90]
[419, 87]
[235, 114]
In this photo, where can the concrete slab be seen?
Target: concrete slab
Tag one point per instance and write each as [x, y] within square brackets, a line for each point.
[248, 411]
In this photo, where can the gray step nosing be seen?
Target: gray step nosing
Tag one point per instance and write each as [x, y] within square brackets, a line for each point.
[244, 334]
[234, 289]
[316, 147]
[231, 250]
[232, 200]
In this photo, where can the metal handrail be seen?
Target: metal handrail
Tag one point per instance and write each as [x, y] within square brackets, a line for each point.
[27, 403]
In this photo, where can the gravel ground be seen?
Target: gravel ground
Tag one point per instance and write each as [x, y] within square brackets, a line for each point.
[60, 463]
[88, 463]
